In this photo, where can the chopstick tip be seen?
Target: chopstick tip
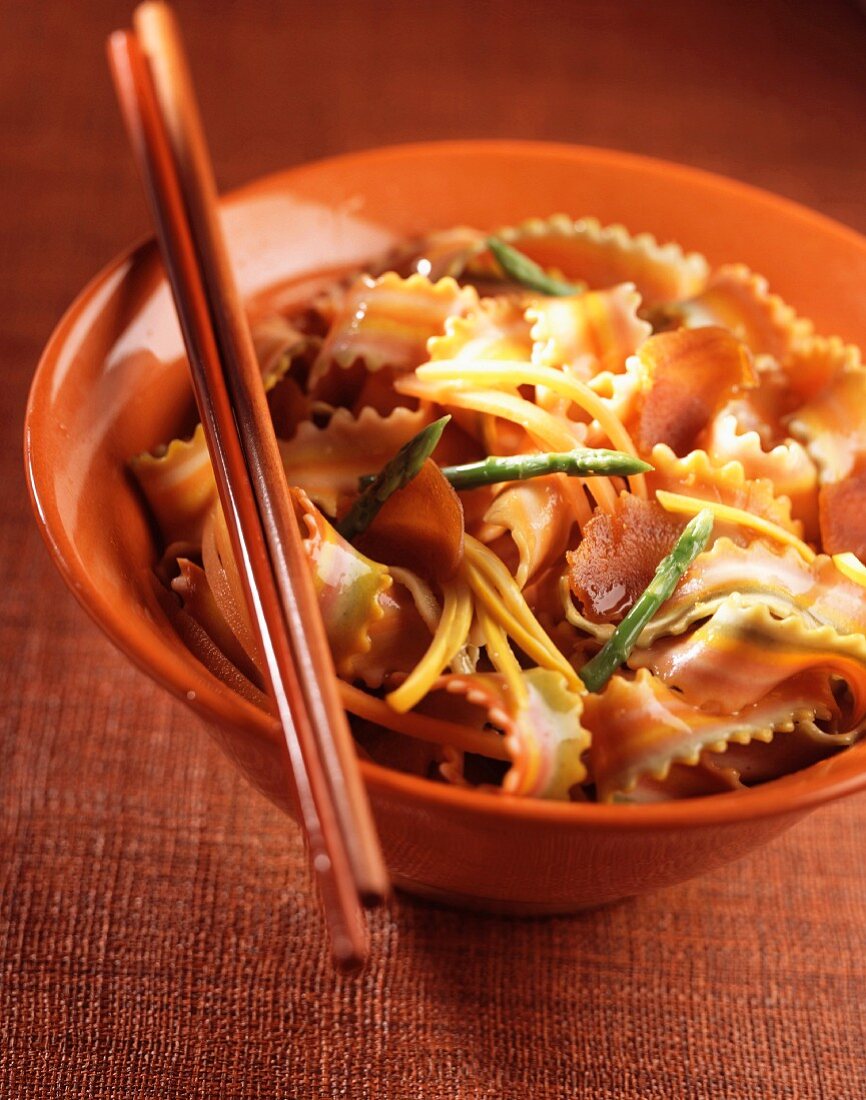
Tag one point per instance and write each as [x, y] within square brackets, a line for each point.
[117, 42]
[374, 898]
[348, 960]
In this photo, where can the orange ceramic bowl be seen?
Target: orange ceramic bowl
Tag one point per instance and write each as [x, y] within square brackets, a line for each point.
[112, 382]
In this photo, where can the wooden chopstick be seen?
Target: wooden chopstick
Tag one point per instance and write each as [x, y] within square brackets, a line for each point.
[156, 99]
[159, 36]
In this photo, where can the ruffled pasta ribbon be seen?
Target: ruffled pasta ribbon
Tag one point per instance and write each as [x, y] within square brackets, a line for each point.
[601, 256]
[373, 625]
[179, 487]
[775, 577]
[388, 321]
[588, 333]
[582, 251]
[642, 730]
[747, 505]
[325, 463]
[833, 428]
[786, 466]
[742, 652]
[737, 299]
[543, 738]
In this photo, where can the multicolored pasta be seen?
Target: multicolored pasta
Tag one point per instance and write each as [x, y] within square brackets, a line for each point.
[606, 397]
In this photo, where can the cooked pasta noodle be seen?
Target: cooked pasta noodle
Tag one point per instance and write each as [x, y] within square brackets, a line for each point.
[462, 616]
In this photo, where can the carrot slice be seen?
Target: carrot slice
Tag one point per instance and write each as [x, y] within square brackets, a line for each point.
[419, 527]
[618, 555]
[687, 375]
[842, 515]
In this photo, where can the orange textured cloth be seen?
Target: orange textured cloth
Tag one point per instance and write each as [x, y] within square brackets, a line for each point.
[157, 934]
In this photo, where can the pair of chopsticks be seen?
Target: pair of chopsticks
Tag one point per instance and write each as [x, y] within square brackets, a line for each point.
[155, 92]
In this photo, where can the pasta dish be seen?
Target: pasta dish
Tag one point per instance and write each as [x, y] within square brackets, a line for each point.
[585, 517]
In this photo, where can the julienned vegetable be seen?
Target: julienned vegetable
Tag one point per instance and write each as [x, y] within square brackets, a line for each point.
[581, 462]
[584, 462]
[526, 272]
[396, 473]
[616, 650]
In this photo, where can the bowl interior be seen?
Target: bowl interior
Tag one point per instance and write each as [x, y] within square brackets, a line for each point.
[112, 380]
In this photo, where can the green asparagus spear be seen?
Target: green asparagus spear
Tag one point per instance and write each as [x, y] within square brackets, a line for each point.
[525, 271]
[582, 462]
[396, 473]
[596, 673]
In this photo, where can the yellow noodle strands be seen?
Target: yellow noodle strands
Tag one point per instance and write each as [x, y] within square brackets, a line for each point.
[501, 655]
[449, 637]
[690, 506]
[544, 426]
[496, 590]
[541, 424]
[850, 566]
[422, 727]
[534, 644]
[520, 374]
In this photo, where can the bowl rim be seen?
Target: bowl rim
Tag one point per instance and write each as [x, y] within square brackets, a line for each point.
[223, 707]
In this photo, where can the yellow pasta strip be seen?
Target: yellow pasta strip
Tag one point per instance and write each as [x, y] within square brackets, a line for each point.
[501, 656]
[540, 649]
[505, 602]
[494, 568]
[551, 431]
[421, 726]
[449, 637]
[690, 506]
[521, 374]
[850, 566]
[541, 424]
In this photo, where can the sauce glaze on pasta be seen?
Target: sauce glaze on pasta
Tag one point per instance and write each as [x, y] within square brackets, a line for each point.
[458, 623]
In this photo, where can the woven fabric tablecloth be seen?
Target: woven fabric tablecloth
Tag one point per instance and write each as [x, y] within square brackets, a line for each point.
[157, 933]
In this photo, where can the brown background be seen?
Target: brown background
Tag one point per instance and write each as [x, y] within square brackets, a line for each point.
[157, 936]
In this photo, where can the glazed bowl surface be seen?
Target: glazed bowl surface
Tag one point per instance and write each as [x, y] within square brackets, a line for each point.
[112, 382]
